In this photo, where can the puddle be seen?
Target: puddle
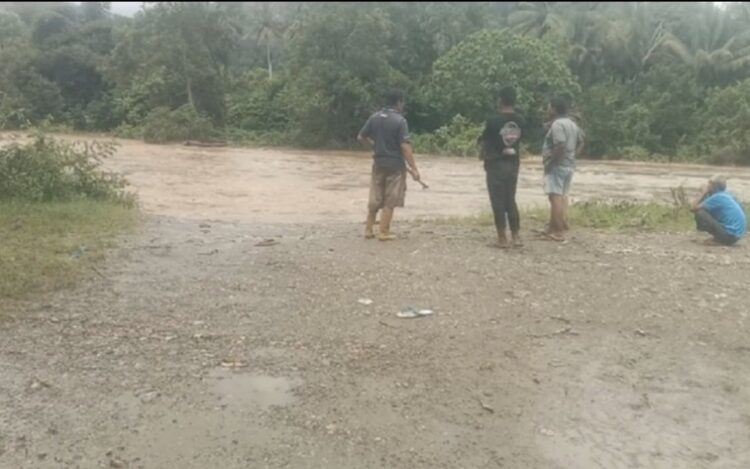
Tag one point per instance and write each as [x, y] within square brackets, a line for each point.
[246, 390]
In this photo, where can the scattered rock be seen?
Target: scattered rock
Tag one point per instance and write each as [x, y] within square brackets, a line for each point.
[546, 432]
[37, 384]
[149, 396]
[267, 243]
[227, 363]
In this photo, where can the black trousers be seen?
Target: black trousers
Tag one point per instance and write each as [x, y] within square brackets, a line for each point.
[502, 180]
[705, 222]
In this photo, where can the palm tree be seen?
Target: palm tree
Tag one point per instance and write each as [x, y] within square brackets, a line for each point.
[269, 32]
[587, 34]
[632, 35]
[540, 18]
[717, 48]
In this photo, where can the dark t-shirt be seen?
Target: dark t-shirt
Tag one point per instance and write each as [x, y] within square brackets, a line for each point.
[502, 136]
[388, 129]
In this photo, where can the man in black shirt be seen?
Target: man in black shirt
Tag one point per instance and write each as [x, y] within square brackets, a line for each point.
[501, 152]
[388, 132]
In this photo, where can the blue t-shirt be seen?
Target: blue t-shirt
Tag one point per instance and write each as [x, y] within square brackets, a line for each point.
[727, 211]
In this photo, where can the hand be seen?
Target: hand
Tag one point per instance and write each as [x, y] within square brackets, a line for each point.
[415, 174]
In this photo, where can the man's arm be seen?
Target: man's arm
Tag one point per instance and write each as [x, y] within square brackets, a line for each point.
[559, 138]
[364, 134]
[698, 203]
[581, 143]
[408, 152]
[558, 150]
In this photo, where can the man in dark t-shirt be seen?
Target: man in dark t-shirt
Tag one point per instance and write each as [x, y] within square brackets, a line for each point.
[501, 152]
[388, 132]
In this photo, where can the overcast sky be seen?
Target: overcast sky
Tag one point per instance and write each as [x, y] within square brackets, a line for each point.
[130, 8]
[126, 8]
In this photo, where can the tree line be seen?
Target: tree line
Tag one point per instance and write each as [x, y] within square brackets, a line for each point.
[648, 80]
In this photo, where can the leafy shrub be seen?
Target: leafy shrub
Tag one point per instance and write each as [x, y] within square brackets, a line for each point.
[634, 153]
[467, 78]
[162, 125]
[725, 133]
[46, 170]
[257, 103]
[457, 138]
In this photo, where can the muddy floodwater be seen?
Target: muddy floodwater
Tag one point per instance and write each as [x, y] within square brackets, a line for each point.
[270, 185]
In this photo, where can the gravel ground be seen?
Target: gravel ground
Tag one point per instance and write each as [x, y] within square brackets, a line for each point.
[198, 348]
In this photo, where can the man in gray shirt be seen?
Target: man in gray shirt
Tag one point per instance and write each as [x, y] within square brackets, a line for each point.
[564, 140]
[388, 132]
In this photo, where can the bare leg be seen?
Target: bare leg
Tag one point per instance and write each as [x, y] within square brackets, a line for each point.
[371, 217]
[551, 227]
[502, 240]
[385, 224]
[517, 241]
[565, 225]
[557, 217]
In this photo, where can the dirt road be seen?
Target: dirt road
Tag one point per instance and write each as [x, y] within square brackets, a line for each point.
[202, 349]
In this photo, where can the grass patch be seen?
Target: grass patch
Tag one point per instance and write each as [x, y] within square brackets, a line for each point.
[51, 245]
[614, 216]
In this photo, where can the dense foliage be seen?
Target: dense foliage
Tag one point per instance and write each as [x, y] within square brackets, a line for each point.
[649, 80]
[46, 170]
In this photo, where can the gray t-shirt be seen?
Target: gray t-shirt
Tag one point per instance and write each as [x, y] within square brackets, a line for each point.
[388, 129]
[562, 131]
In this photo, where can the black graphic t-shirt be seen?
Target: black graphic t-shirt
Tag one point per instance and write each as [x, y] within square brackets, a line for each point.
[501, 138]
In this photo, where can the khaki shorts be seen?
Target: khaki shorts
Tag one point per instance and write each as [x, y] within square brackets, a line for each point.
[387, 188]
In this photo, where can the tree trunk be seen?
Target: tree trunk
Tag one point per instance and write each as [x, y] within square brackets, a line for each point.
[191, 100]
[268, 58]
[188, 80]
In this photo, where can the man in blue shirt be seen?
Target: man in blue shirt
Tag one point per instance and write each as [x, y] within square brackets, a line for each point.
[717, 212]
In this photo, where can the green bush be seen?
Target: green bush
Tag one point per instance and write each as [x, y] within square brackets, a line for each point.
[50, 170]
[162, 125]
[467, 79]
[725, 131]
[257, 103]
[457, 138]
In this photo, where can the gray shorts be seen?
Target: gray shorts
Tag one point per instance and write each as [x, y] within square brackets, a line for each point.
[557, 180]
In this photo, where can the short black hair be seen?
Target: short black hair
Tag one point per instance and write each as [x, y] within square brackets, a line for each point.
[507, 96]
[559, 104]
[394, 97]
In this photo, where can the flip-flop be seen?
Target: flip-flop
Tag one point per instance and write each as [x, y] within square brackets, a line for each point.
[551, 237]
[497, 245]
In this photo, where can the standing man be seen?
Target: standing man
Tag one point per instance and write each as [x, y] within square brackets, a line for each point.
[717, 212]
[388, 132]
[501, 151]
[564, 140]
